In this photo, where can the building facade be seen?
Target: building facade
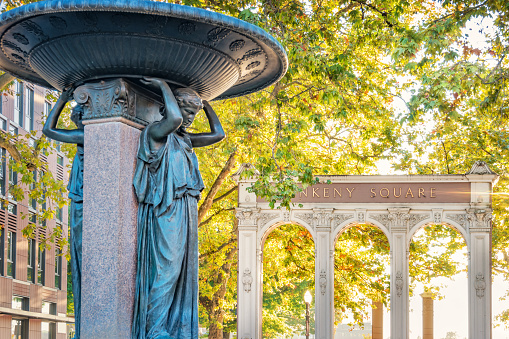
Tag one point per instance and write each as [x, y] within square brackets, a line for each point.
[33, 282]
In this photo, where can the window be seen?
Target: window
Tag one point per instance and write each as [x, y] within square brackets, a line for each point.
[47, 108]
[18, 103]
[60, 160]
[41, 265]
[33, 201]
[31, 261]
[48, 329]
[58, 268]
[58, 147]
[3, 122]
[11, 254]
[12, 208]
[43, 205]
[13, 130]
[13, 176]
[2, 251]
[2, 171]
[20, 303]
[58, 214]
[19, 329]
[29, 112]
[49, 308]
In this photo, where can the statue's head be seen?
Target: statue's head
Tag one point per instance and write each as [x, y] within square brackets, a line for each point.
[190, 104]
[77, 115]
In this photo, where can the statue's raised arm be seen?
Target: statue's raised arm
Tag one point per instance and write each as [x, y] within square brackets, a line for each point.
[216, 129]
[74, 136]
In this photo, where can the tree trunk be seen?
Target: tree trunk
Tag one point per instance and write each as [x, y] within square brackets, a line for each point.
[215, 311]
[213, 306]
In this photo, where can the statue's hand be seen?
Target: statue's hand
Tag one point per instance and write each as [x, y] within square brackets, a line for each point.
[154, 82]
[67, 93]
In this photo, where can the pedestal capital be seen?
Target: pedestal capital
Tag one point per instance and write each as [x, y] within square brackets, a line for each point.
[118, 100]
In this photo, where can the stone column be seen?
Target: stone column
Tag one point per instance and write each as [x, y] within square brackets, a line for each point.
[427, 315]
[250, 279]
[398, 221]
[377, 318]
[109, 207]
[479, 274]
[324, 275]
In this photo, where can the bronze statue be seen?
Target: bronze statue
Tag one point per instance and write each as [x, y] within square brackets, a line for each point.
[75, 188]
[168, 185]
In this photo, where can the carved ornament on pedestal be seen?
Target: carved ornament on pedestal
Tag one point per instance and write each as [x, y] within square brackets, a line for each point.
[286, 216]
[399, 283]
[247, 280]
[480, 285]
[437, 217]
[323, 281]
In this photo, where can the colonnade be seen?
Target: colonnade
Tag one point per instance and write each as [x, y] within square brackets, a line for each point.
[470, 215]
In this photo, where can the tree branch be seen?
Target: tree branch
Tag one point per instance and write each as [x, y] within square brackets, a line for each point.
[209, 219]
[382, 13]
[5, 79]
[5, 142]
[233, 189]
[209, 200]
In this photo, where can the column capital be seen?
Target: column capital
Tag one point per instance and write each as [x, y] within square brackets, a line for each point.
[247, 216]
[320, 218]
[479, 219]
[399, 220]
[118, 100]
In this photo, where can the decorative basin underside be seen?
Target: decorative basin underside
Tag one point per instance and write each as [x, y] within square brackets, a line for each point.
[57, 44]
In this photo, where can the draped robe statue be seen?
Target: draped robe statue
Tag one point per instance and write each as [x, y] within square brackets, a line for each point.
[168, 183]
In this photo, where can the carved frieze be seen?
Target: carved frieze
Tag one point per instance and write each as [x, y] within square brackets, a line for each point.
[414, 219]
[461, 219]
[382, 218]
[339, 218]
[264, 218]
[309, 218]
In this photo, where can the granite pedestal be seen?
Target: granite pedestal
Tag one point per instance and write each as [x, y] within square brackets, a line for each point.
[112, 130]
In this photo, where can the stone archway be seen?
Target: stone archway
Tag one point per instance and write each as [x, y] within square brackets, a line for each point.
[399, 205]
